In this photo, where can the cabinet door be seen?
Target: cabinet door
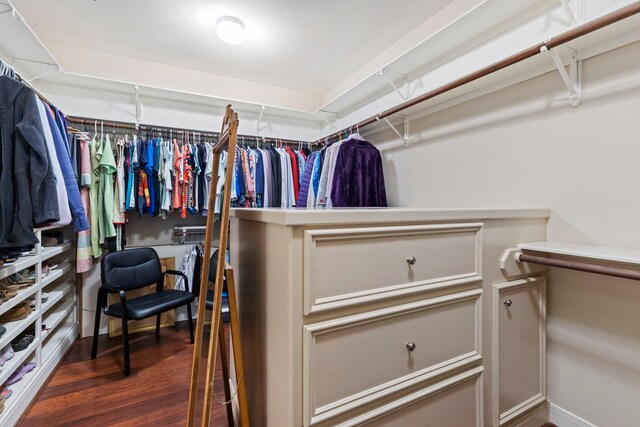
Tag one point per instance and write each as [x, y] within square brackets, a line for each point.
[519, 348]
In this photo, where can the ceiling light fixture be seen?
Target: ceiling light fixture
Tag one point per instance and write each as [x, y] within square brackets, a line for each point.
[230, 30]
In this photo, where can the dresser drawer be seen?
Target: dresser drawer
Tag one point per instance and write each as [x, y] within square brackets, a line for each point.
[456, 402]
[356, 360]
[349, 266]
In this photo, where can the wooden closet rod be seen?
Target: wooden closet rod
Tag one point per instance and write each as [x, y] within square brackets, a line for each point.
[580, 266]
[589, 27]
[146, 127]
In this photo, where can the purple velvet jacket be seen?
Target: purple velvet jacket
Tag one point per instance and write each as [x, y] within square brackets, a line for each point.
[358, 180]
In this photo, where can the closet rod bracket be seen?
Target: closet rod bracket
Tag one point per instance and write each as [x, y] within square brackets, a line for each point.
[404, 93]
[405, 135]
[259, 128]
[138, 104]
[332, 126]
[573, 19]
[571, 79]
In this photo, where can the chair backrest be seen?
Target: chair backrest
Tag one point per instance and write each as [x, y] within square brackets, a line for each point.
[131, 269]
[214, 264]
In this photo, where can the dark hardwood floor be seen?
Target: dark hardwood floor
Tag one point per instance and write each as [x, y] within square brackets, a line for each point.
[85, 392]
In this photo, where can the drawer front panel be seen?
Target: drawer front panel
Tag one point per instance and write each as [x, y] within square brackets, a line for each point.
[355, 360]
[453, 403]
[344, 267]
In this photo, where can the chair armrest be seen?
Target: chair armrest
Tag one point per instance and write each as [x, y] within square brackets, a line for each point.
[181, 274]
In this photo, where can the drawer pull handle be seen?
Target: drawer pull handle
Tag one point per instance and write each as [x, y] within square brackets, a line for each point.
[508, 303]
[410, 345]
[411, 260]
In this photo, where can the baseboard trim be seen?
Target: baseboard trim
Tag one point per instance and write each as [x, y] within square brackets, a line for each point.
[563, 418]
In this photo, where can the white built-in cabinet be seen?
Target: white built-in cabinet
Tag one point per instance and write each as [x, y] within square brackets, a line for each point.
[519, 348]
[388, 317]
[56, 323]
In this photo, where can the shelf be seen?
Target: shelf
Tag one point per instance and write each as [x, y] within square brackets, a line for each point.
[14, 328]
[19, 388]
[58, 339]
[23, 294]
[56, 295]
[31, 260]
[20, 356]
[51, 251]
[628, 256]
[19, 265]
[57, 273]
[53, 320]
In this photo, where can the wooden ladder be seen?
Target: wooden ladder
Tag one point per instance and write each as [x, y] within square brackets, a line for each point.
[227, 138]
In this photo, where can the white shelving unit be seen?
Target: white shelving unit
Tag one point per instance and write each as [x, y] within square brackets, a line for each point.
[56, 324]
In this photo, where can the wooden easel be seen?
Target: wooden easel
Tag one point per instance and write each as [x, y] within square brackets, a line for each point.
[228, 136]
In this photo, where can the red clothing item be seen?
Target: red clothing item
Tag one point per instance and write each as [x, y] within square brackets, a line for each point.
[294, 169]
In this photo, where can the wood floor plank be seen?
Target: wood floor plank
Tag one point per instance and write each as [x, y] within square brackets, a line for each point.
[85, 392]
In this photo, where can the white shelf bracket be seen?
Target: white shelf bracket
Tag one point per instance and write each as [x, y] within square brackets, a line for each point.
[405, 135]
[331, 124]
[46, 73]
[258, 127]
[138, 104]
[570, 13]
[571, 79]
[404, 93]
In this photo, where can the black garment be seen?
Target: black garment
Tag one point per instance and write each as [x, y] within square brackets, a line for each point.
[28, 197]
[276, 182]
[197, 268]
[202, 156]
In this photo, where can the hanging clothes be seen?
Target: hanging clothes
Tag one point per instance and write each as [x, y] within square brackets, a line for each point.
[61, 188]
[84, 262]
[107, 169]
[25, 165]
[358, 178]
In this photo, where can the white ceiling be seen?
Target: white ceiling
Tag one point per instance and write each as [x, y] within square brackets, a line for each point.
[306, 47]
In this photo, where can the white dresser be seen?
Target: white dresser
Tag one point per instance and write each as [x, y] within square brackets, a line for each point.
[389, 317]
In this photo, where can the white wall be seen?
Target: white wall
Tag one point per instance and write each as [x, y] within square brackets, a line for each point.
[524, 146]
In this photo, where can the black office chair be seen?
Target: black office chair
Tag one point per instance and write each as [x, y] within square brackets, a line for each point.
[133, 269]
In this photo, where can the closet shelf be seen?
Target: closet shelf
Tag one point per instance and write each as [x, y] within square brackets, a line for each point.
[57, 273]
[18, 390]
[628, 256]
[19, 265]
[56, 295]
[57, 340]
[22, 295]
[27, 292]
[17, 360]
[53, 320]
[14, 328]
[52, 251]
[31, 260]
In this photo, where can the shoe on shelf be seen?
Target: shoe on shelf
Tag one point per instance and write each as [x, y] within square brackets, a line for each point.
[2, 330]
[6, 393]
[6, 295]
[45, 297]
[20, 372]
[8, 285]
[21, 343]
[19, 312]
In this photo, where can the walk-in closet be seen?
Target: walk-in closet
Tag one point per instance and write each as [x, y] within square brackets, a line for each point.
[319, 213]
